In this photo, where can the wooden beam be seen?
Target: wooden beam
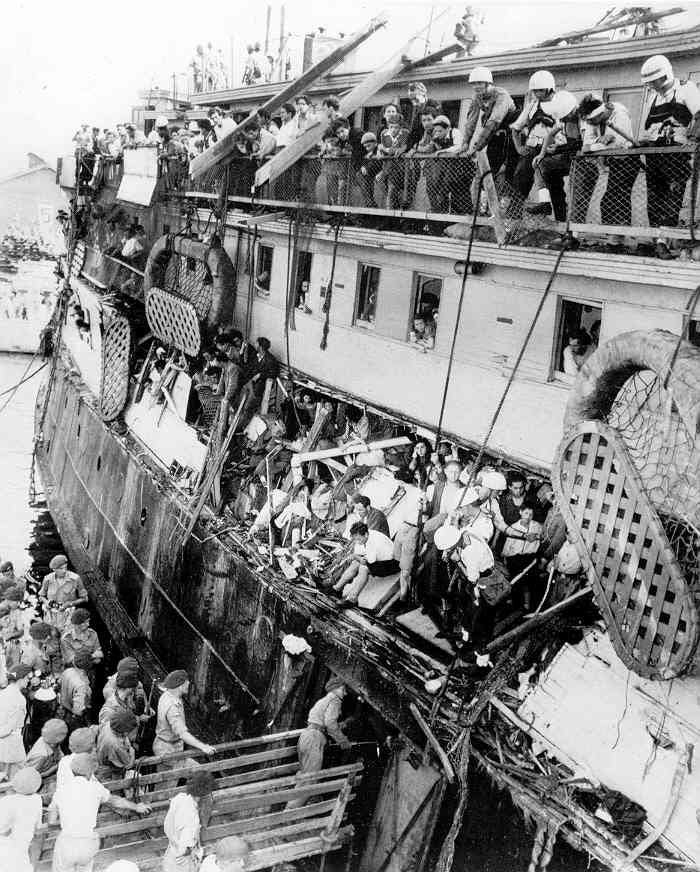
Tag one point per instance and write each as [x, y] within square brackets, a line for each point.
[615, 25]
[224, 147]
[349, 103]
[433, 742]
[489, 186]
[350, 448]
[434, 57]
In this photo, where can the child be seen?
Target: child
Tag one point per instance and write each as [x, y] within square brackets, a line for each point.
[369, 170]
[519, 549]
[335, 154]
[392, 143]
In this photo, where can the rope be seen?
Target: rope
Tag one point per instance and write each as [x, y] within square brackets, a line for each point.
[459, 313]
[25, 378]
[329, 288]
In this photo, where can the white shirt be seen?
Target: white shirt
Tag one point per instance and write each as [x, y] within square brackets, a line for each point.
[594, 138]
[287, 133]
[513, 546]
[451, 495]
[378, 547]
[226, 126]
[476, 557]
[182, 823]
[64, 773]
[78, 803]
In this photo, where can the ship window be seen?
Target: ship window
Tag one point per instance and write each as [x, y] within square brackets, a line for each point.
[367, 293]
[263, 270]
[302, 279]
[693, 330]
[576, 317]
[426, 305]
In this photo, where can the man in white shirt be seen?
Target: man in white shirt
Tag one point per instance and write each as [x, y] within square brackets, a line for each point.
[443, 497]
[76, 805]
[374, 555]
[187, 813]
[220, 123]
[605, 125]
[577, 352]
[288, 131]
[230, 855]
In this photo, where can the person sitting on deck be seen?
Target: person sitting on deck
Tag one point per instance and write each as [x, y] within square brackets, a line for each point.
[61, 591]
[230, 855]
[520, 550]
[322, 724]
[79, 636]
[20, 817]
[187, 813]
[115, 745]
[75, 693]
[171, 727]
[76, 805]
[373, 556]
[363, 512]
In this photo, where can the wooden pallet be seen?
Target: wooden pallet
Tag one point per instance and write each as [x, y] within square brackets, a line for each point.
[639, 586]
[254, 779]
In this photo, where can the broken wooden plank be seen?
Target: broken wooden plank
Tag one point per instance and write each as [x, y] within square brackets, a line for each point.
[489, 186]
[351, 448]
[433, 742]
[225, 146]
[351, 102]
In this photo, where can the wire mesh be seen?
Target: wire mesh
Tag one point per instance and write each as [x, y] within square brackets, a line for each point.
[664, 453]
[646, 187]
[190, 278]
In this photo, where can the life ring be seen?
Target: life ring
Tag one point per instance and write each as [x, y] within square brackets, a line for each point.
[215, 301]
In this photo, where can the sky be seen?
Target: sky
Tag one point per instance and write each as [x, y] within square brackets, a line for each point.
[74, 61]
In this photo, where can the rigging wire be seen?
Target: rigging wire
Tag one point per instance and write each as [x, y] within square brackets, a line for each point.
[25, 378]
[329, 289]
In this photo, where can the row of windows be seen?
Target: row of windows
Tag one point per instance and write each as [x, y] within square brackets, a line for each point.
[426, 294]
[578, 323]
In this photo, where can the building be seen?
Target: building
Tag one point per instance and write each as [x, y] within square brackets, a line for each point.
[29, 201]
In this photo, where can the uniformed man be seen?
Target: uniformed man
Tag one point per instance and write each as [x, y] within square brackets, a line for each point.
[115, 749]
[75, 693]
[171, 727]
[61, 592]
[126, 666]
[322, 724]
[8, 579]
[79, 636]
[124, 698]
[187, 813]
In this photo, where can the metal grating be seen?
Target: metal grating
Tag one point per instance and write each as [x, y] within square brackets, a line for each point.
[173, 320]
[116, 351]
[638, 583]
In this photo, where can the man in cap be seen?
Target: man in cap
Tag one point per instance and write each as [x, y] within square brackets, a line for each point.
[171, 727]
[75, 806]
[322, 723]
[673, 119]
[126, 666]
[20, 817]
[43, 650]
[12, 626]
[75, 693]
[230, 855]
[605, 125]
[45, 754]
[61, 591]
[187, 813]
[80, 741]
[125, 698]
[8, 579]
[487, 126]
[13, 714]
[115, 749]
[79, 636]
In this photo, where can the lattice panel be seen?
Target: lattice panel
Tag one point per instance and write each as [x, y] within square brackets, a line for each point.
[77, 262]
[116, 351]
[638, 583]
[190, 278]
[173, 320]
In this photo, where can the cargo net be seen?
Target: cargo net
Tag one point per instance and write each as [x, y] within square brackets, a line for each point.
[191, 279]
[665, 455]
[636, 188]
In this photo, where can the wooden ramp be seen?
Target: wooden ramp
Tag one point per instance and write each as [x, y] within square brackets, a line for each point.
[255, 778]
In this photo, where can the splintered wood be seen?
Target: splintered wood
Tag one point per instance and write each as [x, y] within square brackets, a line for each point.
[638, 584]
[254, 779]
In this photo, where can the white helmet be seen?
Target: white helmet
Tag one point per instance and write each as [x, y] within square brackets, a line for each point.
[480, 74]
[657, 67]
[542, 80]
[161, 121]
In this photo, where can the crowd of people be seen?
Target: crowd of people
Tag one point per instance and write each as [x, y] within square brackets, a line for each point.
[532, 145]
[64, 734]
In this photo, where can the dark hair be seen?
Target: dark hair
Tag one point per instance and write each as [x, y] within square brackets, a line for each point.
[362, 499]
[337, 123]
[291, 108]
[429, 110]
[432, 104]
[516, 476]
[214, 110]
[264, 343]
[332, 102]
[214, 371]
[395, 105]
[528, 504]
[352, 413]
[581, 335]
[359, 529]
[302, 97]
[589, 104]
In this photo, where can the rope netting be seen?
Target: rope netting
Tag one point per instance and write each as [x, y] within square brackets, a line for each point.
[665, 455]
[190, 278]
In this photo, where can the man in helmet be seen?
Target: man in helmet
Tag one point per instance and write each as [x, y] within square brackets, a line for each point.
[549, 125]
[491, 112]
[673, 119]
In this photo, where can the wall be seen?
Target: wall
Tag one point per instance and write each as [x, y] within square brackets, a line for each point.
[378, 364]
[31, 201]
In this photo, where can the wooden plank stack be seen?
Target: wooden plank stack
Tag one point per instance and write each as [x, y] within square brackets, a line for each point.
[255, 778]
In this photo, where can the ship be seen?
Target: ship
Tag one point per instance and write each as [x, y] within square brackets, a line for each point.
[586, 717]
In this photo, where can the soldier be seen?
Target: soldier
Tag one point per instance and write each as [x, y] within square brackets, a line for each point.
[60, 592]
[115, 749]
[79, 636]
[75, 691]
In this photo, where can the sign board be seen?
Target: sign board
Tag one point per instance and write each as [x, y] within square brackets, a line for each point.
[140, 176]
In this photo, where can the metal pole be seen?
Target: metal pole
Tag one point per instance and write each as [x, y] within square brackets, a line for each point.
[267, 29]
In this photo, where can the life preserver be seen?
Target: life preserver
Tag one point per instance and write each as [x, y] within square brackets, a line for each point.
[214, 310]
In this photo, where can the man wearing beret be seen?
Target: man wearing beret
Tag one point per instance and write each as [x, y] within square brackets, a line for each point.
[171, 728]
[8, 579]
[124, 698]
[115, 750]
[60, 592]
[79, 636]
[75, 691]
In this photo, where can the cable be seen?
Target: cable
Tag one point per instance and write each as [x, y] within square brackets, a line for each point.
[14, 388]
[329, 288]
